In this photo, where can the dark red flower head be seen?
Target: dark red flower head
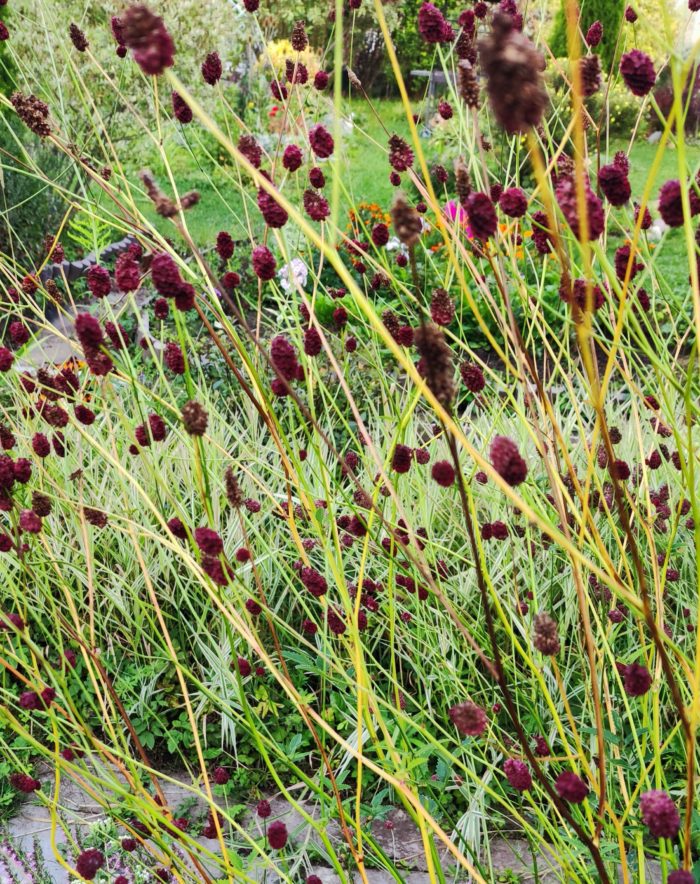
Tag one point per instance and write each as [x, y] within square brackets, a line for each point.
[291, 158]
[78, 38]
[6, 359]
[659, 814]
[513, 202]
[277, 835]
[126, 273]
[271, 210]
[400, 154]
[221, 776]
[174, 358]
[671, 203]
[443, 472]
[442, 308]
[145, 34]
[181, 110]
[615, 184]
[518, 774]
[263, 809]
[264, 263]
[88, 331]
[636, 680]
[506, 460]
[251, 150]
[212, 68]
[208, 541]
[33, 112]
[313, 581]
[98, 281]
[473, 377]
[283, 357]
[482, 215]
[566, 193]
[224, 245]
[571, 787]
[432, 25]
[316, 178]
[594, 34]
[24, 783]
[316, 205]
[402, 458]
[89, 863]
[321, 141]
[680, 876]
[638, 72]
[469, 719]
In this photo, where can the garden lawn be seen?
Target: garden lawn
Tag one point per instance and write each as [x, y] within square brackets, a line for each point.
[197, 160]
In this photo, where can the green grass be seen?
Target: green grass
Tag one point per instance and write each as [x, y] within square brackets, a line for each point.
[364, 175]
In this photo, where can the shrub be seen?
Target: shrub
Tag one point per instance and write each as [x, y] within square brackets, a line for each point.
[608, 12]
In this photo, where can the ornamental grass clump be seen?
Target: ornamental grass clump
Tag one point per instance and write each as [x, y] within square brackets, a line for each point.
[349, 459]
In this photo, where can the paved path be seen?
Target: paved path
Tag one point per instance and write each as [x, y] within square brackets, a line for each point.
[400, 840]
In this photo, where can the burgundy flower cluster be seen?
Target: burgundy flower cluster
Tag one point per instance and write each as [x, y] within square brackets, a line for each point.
[167, 281]
[145, 34]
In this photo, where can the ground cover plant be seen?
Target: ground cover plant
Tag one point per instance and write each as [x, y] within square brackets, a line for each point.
[367, 474]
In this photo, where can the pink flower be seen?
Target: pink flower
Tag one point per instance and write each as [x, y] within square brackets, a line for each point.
[455, 213]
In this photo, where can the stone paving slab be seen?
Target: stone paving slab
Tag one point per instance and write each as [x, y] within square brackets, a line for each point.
[400, 839]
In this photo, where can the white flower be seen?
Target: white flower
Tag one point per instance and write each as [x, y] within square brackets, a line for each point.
[394, 244]
[293, 275]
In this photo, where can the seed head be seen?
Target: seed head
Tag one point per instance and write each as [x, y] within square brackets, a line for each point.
[467, 83]
[234, 495]
[194, 418]
[436, 362]
[406, 221]
[512, 67]
[33, 112]
[78, 38]
[299, 40]
[546, 637]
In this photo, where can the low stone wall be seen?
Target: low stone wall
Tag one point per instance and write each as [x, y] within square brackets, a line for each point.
[73, 270]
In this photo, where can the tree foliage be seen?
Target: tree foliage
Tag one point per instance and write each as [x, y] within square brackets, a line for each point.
[608, 12]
